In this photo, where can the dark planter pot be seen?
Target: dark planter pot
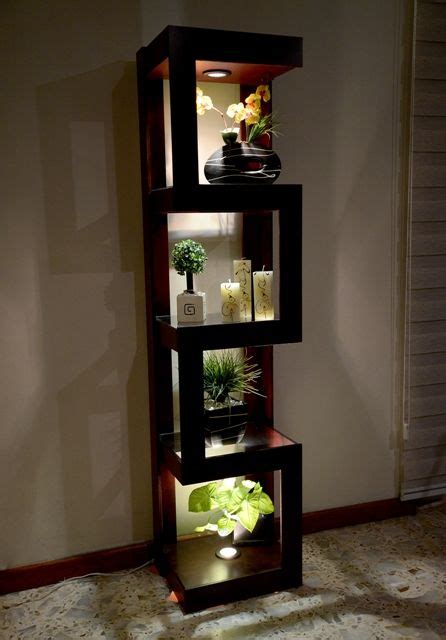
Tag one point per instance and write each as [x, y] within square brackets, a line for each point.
[242, 163]
[263, 532]
[225, 425]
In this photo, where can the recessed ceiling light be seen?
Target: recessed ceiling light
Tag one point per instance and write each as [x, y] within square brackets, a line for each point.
[217, 73]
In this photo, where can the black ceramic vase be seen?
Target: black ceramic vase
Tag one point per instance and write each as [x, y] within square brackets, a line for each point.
[225, 424]
[263, 532]
[242, 163]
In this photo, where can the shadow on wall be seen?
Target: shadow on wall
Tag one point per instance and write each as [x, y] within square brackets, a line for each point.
[88, 128]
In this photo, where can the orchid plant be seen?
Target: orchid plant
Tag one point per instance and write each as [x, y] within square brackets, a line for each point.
[250, 112]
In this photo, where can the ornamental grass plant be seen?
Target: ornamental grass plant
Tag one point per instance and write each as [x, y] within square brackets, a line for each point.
[226, 373]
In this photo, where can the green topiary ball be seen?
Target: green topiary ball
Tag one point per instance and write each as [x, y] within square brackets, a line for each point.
[188, 256]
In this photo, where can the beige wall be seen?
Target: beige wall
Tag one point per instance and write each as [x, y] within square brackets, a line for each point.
[74, 468]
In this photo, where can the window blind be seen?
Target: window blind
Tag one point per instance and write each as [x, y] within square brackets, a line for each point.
[424, 450]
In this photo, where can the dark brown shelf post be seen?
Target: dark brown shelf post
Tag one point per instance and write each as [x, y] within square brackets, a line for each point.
[200, 579]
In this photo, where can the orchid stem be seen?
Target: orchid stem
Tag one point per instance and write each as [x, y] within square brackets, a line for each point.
[222, 115]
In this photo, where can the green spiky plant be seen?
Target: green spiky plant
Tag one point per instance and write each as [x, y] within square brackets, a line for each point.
[266, 125]
[188, 257]
[230, 503]
[225, 373]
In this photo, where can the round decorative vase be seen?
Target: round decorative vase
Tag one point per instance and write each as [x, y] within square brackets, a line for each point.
[242, 163]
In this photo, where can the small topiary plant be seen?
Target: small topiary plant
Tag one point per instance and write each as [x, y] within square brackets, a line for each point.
[188, 257]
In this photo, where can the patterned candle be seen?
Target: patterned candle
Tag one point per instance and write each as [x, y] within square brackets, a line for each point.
[263, 295]
[230, 301]
[242, 274]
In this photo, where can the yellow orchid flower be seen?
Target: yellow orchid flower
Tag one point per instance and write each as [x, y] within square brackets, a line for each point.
[237, 111]
[253, 112]
[234, 109]
[263, 92]
[253, 118]
[241, 115]
[253, 100]
[204, 103]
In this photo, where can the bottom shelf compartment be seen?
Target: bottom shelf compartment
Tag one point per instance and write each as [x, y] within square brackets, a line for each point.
[200, 579]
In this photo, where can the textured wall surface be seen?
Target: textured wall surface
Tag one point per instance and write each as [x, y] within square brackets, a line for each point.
[74, 447]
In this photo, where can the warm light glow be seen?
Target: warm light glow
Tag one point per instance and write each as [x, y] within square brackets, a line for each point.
[227, 553]
[217, 73]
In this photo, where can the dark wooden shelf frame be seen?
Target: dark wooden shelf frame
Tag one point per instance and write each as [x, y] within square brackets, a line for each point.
[181, 54]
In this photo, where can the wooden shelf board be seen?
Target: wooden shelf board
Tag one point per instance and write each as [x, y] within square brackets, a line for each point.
[196, 565]
[262, 449]
[213, 333]
[211, 197]
[199, 579]
[250, 74]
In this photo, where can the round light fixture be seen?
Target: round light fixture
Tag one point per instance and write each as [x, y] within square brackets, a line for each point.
[227, 553]
[217, 73]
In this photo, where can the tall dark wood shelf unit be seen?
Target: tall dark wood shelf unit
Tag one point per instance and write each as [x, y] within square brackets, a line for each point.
[198, 578]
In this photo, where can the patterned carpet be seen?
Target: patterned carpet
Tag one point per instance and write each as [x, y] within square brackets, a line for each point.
[379, 581]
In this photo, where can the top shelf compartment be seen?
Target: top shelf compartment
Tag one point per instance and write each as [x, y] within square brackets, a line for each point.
[181, 55]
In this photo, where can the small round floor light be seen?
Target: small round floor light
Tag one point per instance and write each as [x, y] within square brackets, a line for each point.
[217, 73]
[227, 553]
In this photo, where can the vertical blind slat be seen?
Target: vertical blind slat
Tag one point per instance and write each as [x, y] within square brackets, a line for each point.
[424, 454]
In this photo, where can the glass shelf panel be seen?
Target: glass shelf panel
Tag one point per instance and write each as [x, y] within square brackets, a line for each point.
[254, 439]
[212, 319]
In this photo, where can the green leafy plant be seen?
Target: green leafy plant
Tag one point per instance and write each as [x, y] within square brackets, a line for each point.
[228, 372]
[232, 503]
[188, 257]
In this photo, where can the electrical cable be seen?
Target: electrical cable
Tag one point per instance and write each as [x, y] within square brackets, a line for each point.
[62, 583]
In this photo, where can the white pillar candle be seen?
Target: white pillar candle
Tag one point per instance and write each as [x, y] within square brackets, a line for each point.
[242, 274]
[230, 301]
[263, 295]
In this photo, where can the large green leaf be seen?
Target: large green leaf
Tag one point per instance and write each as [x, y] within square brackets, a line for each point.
[221, 498]
[248, 515]
[226, 526]
[265, 504]
[200, 498]
[207, 527]
[238, 495]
